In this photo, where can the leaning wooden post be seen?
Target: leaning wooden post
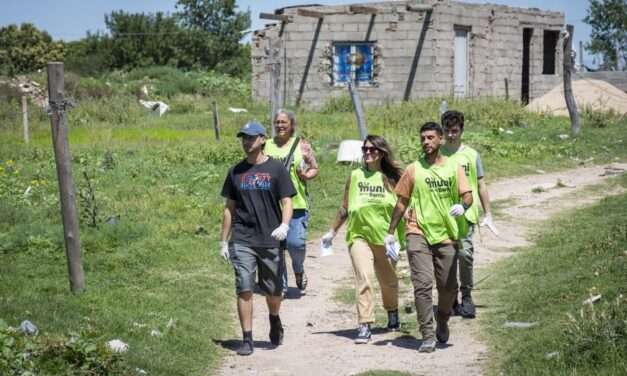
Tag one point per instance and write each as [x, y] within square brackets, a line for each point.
[58, 119]
[575, 127]
[359, 112]
[25, 118]
[275, 72]
[216, 120]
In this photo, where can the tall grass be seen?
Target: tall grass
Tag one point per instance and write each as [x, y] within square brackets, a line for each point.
[579, 254]
[152, 256]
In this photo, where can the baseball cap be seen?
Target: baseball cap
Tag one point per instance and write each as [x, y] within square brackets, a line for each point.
[252, 128]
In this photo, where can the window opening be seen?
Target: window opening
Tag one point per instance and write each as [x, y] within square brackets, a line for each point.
[550, 48]
[353, 61]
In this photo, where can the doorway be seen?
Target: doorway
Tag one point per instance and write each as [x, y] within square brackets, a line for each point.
[527, 34]
[460, 88]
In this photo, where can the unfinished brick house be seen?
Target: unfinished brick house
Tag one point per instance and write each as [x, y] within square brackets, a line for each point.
[406, 50]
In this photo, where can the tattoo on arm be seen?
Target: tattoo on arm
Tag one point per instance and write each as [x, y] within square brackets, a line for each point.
[342, 212]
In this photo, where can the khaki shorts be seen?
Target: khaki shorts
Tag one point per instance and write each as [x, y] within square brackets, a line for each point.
[263, 262]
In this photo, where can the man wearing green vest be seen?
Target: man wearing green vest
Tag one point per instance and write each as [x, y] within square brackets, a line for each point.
[437, 191]
[298, 157]
[469, 159]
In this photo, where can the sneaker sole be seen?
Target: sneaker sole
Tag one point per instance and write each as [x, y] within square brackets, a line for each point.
[362, 341]
[426, 349]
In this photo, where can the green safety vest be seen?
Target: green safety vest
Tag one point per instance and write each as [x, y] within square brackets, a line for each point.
[435, 191]
[466, 157]
[300, 200]
[370, 207]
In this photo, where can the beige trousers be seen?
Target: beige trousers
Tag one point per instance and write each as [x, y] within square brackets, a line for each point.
[370, 261]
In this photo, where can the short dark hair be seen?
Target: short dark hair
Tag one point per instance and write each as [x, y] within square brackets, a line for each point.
[431, 126]
[453, 118]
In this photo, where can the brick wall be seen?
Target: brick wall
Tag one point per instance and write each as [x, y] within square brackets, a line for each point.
[495, 51]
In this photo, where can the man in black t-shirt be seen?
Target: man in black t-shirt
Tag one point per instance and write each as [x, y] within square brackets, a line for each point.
[257, 214]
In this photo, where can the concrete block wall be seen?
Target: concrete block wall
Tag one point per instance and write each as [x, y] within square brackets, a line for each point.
[495, 51]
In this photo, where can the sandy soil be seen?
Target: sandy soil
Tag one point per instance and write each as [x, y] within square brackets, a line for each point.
[319, 331]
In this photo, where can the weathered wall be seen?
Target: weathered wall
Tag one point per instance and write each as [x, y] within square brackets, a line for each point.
[618, 79]
[495, 51]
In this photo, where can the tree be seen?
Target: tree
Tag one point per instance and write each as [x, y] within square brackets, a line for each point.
[216, 28]
[26, 49]
[608, 19]
[139, 39]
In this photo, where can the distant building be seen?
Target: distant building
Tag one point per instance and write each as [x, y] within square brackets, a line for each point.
[405, 50]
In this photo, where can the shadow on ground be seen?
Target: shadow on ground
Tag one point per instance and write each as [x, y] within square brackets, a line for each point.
[233, 344]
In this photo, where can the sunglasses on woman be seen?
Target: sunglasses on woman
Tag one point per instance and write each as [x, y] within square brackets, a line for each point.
[369, 149]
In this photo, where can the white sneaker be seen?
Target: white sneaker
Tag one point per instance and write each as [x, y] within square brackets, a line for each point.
[363, 334]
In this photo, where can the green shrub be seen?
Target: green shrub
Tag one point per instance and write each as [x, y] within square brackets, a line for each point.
[76, 354]
[218, 85]
[600, 119]
[598, 335]
[342, 103]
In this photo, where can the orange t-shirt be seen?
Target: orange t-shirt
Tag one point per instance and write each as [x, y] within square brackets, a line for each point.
[405, 187]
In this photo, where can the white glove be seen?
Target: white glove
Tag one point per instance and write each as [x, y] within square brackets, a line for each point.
[327, 239]
[280, 233]
[224, 250]
[392, 247]
[487, 221]
[456, 210]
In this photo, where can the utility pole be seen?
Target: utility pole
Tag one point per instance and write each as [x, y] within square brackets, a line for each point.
[575, 127]
[58, 119]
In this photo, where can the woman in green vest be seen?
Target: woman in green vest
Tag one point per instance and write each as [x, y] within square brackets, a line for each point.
[367, 206]
[300, 161]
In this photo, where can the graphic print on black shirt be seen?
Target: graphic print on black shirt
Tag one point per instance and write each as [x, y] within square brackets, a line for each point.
[257, 191]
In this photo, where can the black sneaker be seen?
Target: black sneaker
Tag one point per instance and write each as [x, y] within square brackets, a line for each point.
[467, 309]
[394, 323]
[363, 334]
[441, 331]
[276, 330]
[456, 310]
[246, 348]
[301, 281]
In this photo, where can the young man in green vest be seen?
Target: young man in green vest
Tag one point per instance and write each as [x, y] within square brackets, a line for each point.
[437, 192]
[469, 159]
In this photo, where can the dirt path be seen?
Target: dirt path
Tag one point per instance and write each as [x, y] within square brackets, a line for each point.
[319, 331]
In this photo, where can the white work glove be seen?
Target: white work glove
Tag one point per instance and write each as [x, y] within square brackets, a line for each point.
[327, 239]
[326, 244]
[280, 233]
[456, 210]
[392, 247]
[487, 221]
[224, 250]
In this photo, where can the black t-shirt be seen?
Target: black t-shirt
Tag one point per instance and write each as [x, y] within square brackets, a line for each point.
[257, 191]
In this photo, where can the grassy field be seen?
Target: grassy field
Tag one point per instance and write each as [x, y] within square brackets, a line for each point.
[577, 255]
[148, 192]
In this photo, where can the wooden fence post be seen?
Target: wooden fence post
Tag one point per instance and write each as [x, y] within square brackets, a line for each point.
[58, 120]
[25, 118]
[216, 120]
[575, 127]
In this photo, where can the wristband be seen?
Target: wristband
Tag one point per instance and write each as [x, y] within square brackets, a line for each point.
[465, 206]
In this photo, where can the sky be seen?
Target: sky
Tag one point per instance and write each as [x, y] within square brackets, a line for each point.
[71, 19]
